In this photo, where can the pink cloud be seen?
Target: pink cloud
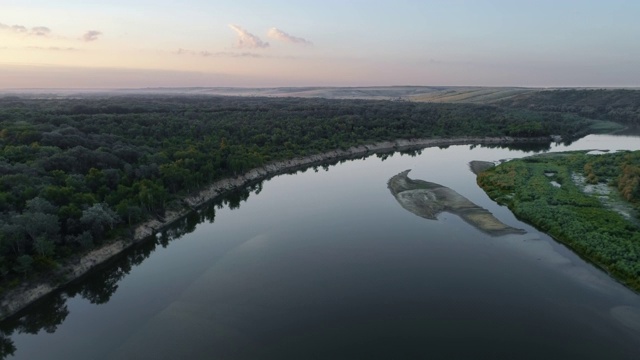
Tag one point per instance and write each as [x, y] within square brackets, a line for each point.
[278, 34]
[247, 39]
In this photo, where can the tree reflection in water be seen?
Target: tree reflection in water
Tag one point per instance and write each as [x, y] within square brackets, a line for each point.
[46, 315]
[102, 283]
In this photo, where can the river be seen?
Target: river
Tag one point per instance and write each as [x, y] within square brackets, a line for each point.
[325, 264]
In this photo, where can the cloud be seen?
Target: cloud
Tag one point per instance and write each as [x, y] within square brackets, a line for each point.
[247, 39]
[43, 31]
[278, 34]
[19, 29]
[40, 31]
[205, 53]
[91, 35]
[241, 55]
[182, 51]
[53, 48]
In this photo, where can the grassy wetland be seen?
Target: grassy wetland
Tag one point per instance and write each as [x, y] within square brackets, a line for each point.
[587, 201]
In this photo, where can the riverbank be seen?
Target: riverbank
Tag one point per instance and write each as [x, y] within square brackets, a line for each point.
[567, 196]
[18, 298]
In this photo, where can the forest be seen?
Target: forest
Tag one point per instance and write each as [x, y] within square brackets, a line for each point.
[619, 105]
[76, 171]
[571, 210]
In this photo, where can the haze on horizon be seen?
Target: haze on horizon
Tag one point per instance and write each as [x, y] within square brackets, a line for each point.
[168, 43]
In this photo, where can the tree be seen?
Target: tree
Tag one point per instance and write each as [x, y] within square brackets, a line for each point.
[39, 204]
[84, 240]
[97, 217]
[38, 224]
[7, 348]
[152, 195]
[23, 265]
[44, 246]
[128, 210]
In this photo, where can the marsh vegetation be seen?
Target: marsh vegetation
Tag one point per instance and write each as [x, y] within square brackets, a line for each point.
[588, 221]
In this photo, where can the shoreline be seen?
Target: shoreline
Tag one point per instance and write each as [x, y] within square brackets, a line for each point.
[17, 299]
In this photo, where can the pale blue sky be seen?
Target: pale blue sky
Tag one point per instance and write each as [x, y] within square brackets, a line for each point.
[494, 43]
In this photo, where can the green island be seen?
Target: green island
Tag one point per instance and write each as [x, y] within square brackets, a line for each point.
[588, 201]
[82, 174]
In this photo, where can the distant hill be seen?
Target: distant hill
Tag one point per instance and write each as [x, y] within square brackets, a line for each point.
[617, 105]
[438, 94]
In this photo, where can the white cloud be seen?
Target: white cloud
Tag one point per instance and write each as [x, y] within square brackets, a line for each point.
[43, 31]
[205, 53]
[40, 31]
[278, 34]
[247, 39]
[91, 35]
[19, 29]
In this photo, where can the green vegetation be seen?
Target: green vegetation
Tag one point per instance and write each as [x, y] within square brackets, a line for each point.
[77, 171]
[620, 106]
[568, 212]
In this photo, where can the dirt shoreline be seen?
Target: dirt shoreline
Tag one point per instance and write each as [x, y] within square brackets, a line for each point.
[14, 300]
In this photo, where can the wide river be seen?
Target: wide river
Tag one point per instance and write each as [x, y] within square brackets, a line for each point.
[326, 264]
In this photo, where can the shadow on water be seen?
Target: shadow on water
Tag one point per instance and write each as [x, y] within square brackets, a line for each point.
[46, 316]
[534, 147]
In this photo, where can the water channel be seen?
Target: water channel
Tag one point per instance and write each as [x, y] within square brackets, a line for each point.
[325, 264]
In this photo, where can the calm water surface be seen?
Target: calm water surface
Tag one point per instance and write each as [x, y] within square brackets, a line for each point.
[326, 264]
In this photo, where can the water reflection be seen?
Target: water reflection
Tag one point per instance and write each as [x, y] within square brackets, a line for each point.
[46, 315]
[102, 283]
[533, 147]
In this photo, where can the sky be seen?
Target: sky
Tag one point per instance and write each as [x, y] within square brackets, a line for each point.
[244, 43]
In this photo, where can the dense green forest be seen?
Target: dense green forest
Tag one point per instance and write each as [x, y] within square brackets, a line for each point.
[77, 171]
[622, 106]
[572, 209]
